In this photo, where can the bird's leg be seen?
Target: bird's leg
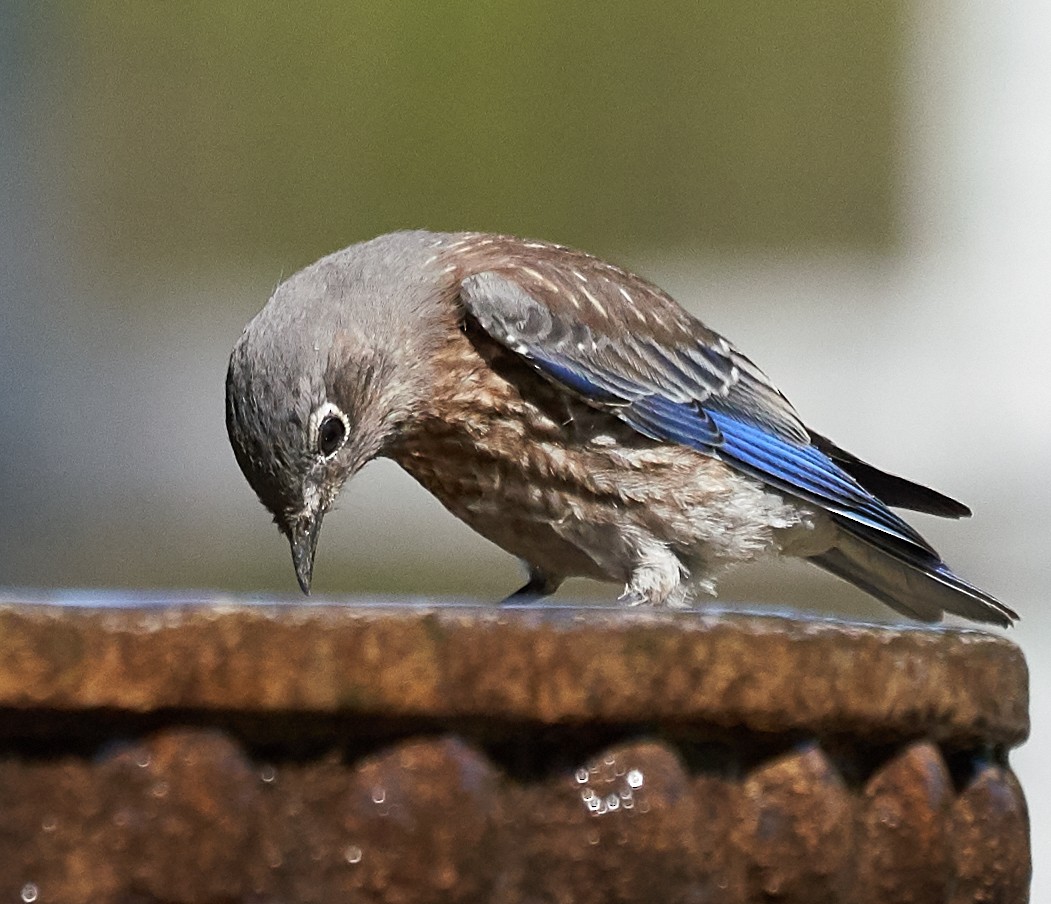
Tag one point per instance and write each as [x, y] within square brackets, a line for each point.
[539, 585]
[657, 580]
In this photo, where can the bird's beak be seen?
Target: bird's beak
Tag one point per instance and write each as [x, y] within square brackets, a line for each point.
[303, 537]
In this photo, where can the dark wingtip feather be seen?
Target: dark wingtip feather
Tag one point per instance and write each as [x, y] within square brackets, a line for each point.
[890, 489]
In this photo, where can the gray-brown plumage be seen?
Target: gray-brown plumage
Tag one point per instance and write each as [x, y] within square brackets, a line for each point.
[569, 411]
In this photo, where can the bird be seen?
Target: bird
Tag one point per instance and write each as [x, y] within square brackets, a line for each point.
[572, 413]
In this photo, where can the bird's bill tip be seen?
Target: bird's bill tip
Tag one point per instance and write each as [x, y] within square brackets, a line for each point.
[304, 574]
[302, 538]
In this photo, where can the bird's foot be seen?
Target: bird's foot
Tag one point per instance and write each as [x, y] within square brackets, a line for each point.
[679, 598]
[539, 585]
[632, 597]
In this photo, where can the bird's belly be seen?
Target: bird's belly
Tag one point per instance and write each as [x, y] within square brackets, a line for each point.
[598, 509]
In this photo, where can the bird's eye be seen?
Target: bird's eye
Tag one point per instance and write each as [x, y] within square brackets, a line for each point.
[330, 435]
[329, 427]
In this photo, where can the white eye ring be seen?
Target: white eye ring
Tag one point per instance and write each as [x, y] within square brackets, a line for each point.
[328, 430]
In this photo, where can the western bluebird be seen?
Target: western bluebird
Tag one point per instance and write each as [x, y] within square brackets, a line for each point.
[569, 411]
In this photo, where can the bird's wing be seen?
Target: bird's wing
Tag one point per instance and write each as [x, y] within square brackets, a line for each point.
[889, 488]
[624, 345]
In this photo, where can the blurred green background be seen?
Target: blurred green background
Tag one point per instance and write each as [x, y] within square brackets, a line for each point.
[857, 193]
[195, 134]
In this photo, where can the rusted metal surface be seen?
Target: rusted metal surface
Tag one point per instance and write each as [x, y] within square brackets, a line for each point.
[233, 752]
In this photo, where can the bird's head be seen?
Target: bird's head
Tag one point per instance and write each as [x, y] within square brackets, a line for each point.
[324, 377]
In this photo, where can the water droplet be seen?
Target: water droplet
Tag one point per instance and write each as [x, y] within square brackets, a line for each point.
[49, 824]
[30, 892]
[582, 775]
[267, 774]
[143, 759]
[352, 854]
[379, 795]
[634, 778]
[612, 802]
[160, 789]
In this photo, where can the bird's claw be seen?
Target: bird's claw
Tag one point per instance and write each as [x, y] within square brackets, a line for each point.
[632, 597]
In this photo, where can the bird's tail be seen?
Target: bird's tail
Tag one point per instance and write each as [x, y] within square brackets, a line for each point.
[923, 588]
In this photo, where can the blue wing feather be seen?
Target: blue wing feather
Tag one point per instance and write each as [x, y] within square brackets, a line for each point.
[578, 382]
[808, 472]
[680, 422]
[802, 470]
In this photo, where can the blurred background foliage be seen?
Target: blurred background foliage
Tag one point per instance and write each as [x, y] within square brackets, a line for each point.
[198, 131]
